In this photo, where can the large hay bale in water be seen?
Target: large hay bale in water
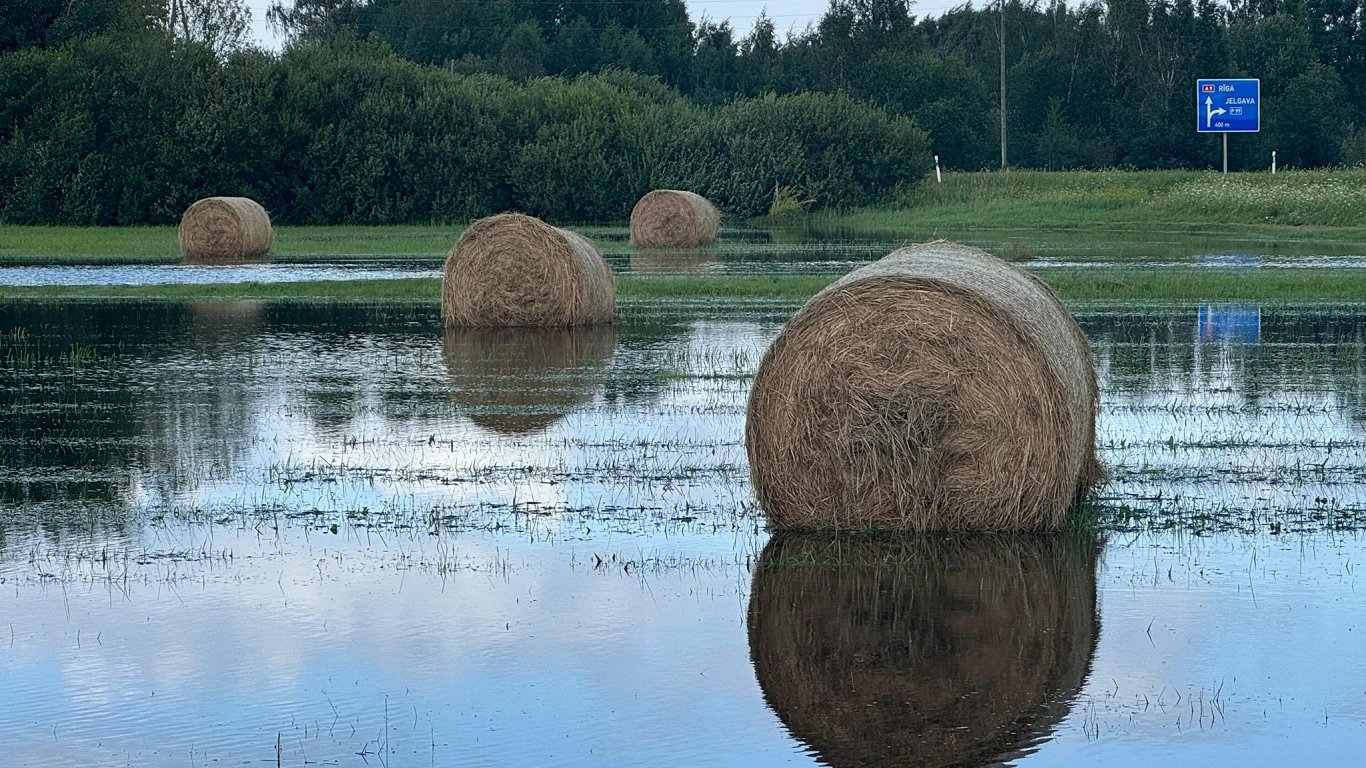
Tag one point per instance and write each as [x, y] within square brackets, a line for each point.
[224, 230]
[936, 389]
[519, 381]
[961, 649]
[516, 270]
[672, 218]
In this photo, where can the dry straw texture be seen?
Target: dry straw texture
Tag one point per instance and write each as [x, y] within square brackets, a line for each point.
[960, 649]
[224, 230]
[516, 270]
[936, 389]
[518, 381]
[672, 218]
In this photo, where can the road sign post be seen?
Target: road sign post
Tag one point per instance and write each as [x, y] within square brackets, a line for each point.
[1228, 106]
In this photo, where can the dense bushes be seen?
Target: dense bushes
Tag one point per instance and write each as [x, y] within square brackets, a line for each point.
[130, 130]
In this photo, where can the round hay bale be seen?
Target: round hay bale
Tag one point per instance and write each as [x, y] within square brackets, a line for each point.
[516, 270]
[938, 388]
[663, 262]
[224, 230]
[518, 381]
[672, 218]
[963, 649]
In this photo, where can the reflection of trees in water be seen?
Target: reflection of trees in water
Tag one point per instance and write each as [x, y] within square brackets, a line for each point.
[948, 650]
[199, 420]
[1318, 351]
[515, 381]
[70, 406]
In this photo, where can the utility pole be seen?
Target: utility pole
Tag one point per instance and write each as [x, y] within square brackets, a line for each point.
[1001, 5]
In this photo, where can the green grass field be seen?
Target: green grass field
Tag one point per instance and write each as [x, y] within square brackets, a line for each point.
[1184, 200]
[1137, 216]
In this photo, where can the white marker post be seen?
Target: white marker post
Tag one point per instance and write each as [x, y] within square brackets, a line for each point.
[1273, 162]
[937, 176]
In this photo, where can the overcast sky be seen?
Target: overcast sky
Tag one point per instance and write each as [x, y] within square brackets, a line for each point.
[788, 15]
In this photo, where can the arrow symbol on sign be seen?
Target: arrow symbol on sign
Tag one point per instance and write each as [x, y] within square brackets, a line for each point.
[1210, 112]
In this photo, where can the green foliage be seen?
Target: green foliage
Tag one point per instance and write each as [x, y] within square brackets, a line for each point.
[132, 129]
[837, 151]
[787, 208]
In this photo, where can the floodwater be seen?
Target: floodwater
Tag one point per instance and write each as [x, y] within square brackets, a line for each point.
[762, 252]
[237, 532]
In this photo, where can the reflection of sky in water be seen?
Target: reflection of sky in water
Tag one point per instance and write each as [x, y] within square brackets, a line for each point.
[207, 607]
[176, 274]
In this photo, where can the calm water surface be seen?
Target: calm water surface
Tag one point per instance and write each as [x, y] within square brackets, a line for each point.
[803, 251]
[236, 532]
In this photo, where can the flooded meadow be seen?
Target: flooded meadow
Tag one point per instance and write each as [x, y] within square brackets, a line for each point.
[246, 532]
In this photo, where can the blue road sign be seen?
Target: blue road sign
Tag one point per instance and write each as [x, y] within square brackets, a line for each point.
[1228, 106]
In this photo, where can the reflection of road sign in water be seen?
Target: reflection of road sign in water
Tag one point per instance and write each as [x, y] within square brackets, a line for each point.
[1236, 324]
[1228, 106]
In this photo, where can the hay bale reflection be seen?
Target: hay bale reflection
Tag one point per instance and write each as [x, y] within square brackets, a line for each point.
[657, 262]
[516, 381]
[947, 650]
[215, 319]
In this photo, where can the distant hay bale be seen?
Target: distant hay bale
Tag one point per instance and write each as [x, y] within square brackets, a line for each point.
[959, 649]
[936, 389]
[672, 218]
[515, 270]
[224, 230]
[519, 381]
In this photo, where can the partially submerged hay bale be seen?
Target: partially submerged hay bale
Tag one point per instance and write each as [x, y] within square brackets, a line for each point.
[516, 270]
[224, 230]
[963, 649]
[936, 389]
[518, 381]
[672, 218]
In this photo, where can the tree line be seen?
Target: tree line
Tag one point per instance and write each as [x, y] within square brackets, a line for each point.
[1097, 83]
[383, 111]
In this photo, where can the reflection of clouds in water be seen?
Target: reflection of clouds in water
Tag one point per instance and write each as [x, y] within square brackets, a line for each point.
[680, 443]
[544, 658]
[1242, 650]
[922, 650]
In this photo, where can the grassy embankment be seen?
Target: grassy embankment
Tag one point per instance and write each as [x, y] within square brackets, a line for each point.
[1020, 212]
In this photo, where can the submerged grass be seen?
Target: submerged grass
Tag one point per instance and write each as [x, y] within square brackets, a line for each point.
[158, 245]
[1087, 284]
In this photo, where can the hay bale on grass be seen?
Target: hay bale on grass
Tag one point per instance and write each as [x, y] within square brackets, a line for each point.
[672, 218]
[963, 649]
[515, 270]
[224, 230]
[936, 389]
[519, 381]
